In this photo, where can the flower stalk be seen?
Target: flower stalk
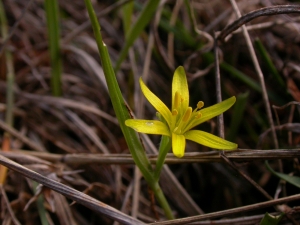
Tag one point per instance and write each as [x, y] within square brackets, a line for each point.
[135, 146]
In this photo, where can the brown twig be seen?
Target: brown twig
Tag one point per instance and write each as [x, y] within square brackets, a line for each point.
[251, 181]
[245, 155]
[229, 212]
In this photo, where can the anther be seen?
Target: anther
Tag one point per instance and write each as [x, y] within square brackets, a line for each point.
[177, 100]
[187, 114]
[200, 104]
[198, 115]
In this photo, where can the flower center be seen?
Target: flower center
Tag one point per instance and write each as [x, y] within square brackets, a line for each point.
[184, 117]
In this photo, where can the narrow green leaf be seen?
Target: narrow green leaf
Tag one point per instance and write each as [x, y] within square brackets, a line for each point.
[271, 220]
[241, 76]
[181, 34]
[290, 179]
[119, 105]
[237, 116]
[127, 10]
[249, 81]
[142, 21]
[52, 12]
[268, 62]
[40, 205]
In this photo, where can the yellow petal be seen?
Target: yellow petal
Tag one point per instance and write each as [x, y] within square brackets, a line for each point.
[213, 111]
[148, 126]
[209, 140]
[180, 85]
[156, 102]
[178, 145]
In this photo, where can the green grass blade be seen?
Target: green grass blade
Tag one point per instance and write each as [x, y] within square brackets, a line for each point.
[271, 220]
[237, 117]
[40, 205]
[119, 105]
[52, 12]
[127, 15]
[241, 76]
[180, 32]
[290, 179]
[268, 62]
[135, 30]
[249, 81]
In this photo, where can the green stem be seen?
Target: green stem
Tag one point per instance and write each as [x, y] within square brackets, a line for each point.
[164, 147]
[162, 200]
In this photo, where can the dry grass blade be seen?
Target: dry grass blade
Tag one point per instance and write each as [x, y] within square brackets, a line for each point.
[69, 103]
[18, 135]
[71, 193]
[88, 131]
[77, 139]
[8, 206]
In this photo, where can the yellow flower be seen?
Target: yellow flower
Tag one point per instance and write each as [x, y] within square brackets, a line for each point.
[178, 122]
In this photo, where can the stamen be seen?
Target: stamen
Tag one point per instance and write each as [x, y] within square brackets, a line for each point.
[199, 114]
[187, 114]
[177, 100]
[200, 104]
[174, 112]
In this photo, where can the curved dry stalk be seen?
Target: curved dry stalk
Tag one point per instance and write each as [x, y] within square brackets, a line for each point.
[267, 11]
[295, 127]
